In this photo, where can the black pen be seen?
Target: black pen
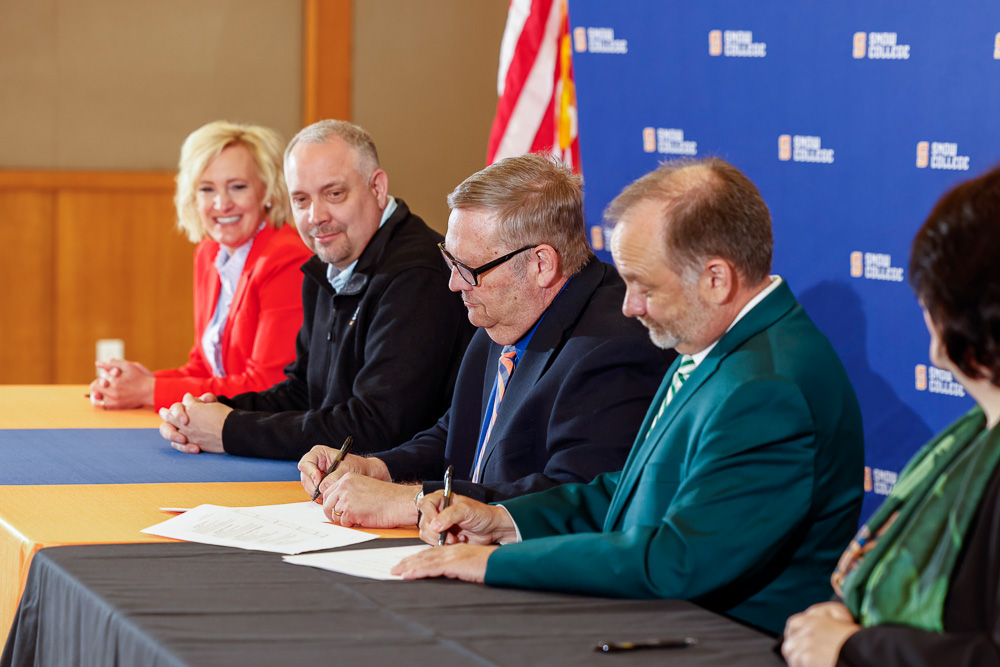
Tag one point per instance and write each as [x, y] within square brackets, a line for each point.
[447, 500]
[672, 642]
[344, 449]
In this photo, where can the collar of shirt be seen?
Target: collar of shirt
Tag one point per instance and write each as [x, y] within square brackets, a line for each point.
[751, 304]
[339, 277]
[229, 266]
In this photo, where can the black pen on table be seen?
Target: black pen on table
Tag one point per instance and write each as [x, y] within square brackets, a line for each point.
[344, 449]
[447, 500]
[672, 642]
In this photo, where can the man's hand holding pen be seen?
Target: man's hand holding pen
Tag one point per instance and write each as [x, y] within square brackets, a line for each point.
[314, 468]
[472, 528]
[466, 520]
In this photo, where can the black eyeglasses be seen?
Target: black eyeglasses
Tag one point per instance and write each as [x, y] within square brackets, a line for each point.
[471, 275]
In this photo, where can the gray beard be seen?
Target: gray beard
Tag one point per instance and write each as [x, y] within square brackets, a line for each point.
[663, 339]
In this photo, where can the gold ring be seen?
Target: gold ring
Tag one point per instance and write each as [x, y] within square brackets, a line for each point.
[336, 513]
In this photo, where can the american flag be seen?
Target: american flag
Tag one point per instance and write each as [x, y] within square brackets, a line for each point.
[537, 106]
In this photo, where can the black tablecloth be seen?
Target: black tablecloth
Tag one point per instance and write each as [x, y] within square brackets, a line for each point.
[192, 604]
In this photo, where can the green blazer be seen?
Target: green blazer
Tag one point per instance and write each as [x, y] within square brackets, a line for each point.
[741, 498]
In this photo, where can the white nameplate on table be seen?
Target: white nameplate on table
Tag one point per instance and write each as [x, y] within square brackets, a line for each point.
[291, 528]
[367, 563]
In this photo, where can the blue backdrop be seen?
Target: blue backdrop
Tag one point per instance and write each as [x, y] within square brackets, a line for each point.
[852, 118]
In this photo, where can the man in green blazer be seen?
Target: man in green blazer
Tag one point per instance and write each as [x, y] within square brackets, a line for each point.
[744, 483]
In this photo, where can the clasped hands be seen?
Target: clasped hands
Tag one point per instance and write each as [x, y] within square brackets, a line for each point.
[360, 493]
[195, 424]
[122, 385]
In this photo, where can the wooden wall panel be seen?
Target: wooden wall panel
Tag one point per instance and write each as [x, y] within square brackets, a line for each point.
[26, 286]
[92, 255]
[327, 60]
[118, 84]
[428, 100]
[124, 272]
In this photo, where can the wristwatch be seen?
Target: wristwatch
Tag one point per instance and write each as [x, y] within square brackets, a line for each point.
[416, 503]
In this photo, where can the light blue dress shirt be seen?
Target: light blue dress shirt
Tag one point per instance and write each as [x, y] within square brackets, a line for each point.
[337, 277]
[229, 268]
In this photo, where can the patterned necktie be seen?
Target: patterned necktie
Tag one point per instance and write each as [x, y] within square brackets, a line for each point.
[680, 376]
[504, 370]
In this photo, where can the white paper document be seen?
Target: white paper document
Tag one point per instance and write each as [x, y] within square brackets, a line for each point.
[293, 528]
[368, 563]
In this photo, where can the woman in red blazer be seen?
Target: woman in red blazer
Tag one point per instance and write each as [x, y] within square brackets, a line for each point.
[231, 200]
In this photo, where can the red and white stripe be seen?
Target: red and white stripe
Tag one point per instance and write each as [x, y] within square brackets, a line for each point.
[526, 117]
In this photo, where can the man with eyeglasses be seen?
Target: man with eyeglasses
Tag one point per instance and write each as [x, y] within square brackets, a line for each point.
[744, 484]
[556, 381]
[382, 337]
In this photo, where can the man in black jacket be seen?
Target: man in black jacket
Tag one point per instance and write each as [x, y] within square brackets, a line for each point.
[554, 384]
[381, 338]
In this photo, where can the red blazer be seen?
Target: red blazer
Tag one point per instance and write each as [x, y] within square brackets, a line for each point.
[264, 318]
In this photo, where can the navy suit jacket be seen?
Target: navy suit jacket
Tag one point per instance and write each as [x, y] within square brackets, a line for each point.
[571, 409]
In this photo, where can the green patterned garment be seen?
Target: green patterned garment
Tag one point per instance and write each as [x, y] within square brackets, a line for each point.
[901, 575]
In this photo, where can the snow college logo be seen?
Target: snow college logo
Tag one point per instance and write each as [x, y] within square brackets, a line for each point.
[880, 46]
[996, 47]
[880, 481]
[875, 266]
[941, 155]
[668, 141]
[937, 381]
[735, 44]
[599, 40]
[803, 148]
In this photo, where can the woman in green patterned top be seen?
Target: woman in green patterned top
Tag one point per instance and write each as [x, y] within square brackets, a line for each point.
[920, 583]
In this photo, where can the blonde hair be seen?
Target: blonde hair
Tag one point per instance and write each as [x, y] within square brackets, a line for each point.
[204, 145]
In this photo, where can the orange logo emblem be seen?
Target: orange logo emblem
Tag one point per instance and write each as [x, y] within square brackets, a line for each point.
[923, 153]
[920, 377]
[857, 265]
[597, 237]
[860, 44]
[580, 39]
[715, 43]
[649, 139]
[785, 147]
